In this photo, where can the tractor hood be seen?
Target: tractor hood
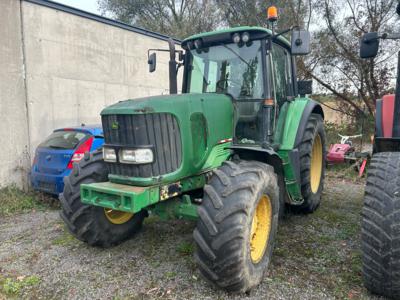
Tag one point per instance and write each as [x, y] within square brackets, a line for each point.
[190, 133]
[175, 104]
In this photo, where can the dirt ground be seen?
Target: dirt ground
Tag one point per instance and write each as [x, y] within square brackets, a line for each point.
[316, 257]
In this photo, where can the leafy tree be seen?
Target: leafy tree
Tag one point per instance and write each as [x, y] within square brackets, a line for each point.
[179, 18]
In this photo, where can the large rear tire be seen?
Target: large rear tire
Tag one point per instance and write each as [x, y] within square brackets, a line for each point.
[380, 226]
[94, 225]
[238, 220]
[312, 164]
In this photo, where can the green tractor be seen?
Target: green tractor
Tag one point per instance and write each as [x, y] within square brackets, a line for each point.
[239, 144]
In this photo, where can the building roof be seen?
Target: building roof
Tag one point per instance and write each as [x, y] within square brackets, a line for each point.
[101, 19]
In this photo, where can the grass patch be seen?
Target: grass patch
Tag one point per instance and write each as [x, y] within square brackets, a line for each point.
[13, 200]
[170, 275]
[345, 172]
[185, 248]
[14, 286]
[324, 247]
[65, 239]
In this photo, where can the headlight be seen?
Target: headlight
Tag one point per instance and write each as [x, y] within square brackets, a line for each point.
[245, 37]
[136, 156]
[109, 155]
[236, 38]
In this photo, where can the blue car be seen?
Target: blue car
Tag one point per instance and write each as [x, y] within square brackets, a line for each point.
[54, 157]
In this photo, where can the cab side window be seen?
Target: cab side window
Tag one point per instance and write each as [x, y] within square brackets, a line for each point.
[282, 70]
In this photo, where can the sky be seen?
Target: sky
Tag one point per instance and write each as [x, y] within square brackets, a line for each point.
[87, 5]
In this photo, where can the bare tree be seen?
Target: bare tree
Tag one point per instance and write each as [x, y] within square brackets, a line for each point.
[254, 12]
[335, 62]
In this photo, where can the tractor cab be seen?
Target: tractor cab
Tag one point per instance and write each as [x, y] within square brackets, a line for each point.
[254, 66]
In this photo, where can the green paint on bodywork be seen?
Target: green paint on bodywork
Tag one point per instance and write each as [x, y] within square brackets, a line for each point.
[285, 135]
[236, 29]
[217, 156]
[119, 196]
[133, 199]
[288, 123]
[212, 112]
[292, 186]
[180, 208]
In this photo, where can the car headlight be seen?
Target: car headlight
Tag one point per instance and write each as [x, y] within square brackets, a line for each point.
[109, 155]
[136, 156]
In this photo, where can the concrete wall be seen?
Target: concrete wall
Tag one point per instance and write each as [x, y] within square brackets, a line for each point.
[74, 67]
[14, 136]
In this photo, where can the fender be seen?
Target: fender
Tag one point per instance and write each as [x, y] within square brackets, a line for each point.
[293, 119]
[270, 157]
[378, 118]
[265, 155]
[312, 107]
[283, 167]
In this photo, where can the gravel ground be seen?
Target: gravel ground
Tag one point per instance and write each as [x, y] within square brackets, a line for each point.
[316, 257]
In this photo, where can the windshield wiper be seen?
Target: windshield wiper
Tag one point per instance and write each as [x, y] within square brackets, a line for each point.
[233, 51]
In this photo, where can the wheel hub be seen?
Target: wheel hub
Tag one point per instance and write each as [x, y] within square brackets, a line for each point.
[260, 229]
[316, 164]
[117, 217]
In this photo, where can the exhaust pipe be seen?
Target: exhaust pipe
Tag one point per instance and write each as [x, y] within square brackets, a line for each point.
[173, 83]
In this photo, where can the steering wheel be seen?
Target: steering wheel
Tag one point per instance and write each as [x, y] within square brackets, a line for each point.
[220, 83]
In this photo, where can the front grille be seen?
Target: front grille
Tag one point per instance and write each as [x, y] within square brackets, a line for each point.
[159, 130]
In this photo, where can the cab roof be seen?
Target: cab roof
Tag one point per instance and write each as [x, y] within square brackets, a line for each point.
[228, 32]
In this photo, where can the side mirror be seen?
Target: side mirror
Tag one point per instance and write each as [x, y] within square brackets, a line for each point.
[369, 45]
[300, 42]
[304, 87]
[152, 61]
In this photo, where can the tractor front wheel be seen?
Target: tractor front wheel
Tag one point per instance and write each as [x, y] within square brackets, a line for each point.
[380, 226]
[94, 225]
[238, 220]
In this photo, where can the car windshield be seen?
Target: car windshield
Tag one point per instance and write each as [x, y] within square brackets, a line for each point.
[63, 140]
[228, 69]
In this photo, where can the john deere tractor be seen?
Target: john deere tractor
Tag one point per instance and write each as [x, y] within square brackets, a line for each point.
[238, 144]
[380, 227]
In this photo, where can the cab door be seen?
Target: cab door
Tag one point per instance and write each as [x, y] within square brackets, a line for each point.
[282, 74]
[282, 86]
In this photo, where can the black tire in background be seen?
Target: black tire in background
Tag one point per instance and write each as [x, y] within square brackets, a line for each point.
[88, 223]
[380, 226]
[310, 154]
[227, 231]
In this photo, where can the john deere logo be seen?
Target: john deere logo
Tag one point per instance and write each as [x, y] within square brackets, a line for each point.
[115, 125]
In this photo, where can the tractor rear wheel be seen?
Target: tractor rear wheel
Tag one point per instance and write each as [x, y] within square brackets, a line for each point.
[238, 220]
[380, 226]
[312, 164]
[94, 225]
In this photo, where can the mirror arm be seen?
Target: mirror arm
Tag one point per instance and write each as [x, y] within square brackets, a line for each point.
[164, 50]
[285, 31]
[387, 36]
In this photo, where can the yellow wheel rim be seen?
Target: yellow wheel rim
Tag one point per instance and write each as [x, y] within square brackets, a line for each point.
[316, 164]
[260, 229]
[116, 216]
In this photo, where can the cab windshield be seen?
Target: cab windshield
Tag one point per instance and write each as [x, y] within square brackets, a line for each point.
[227, 69]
